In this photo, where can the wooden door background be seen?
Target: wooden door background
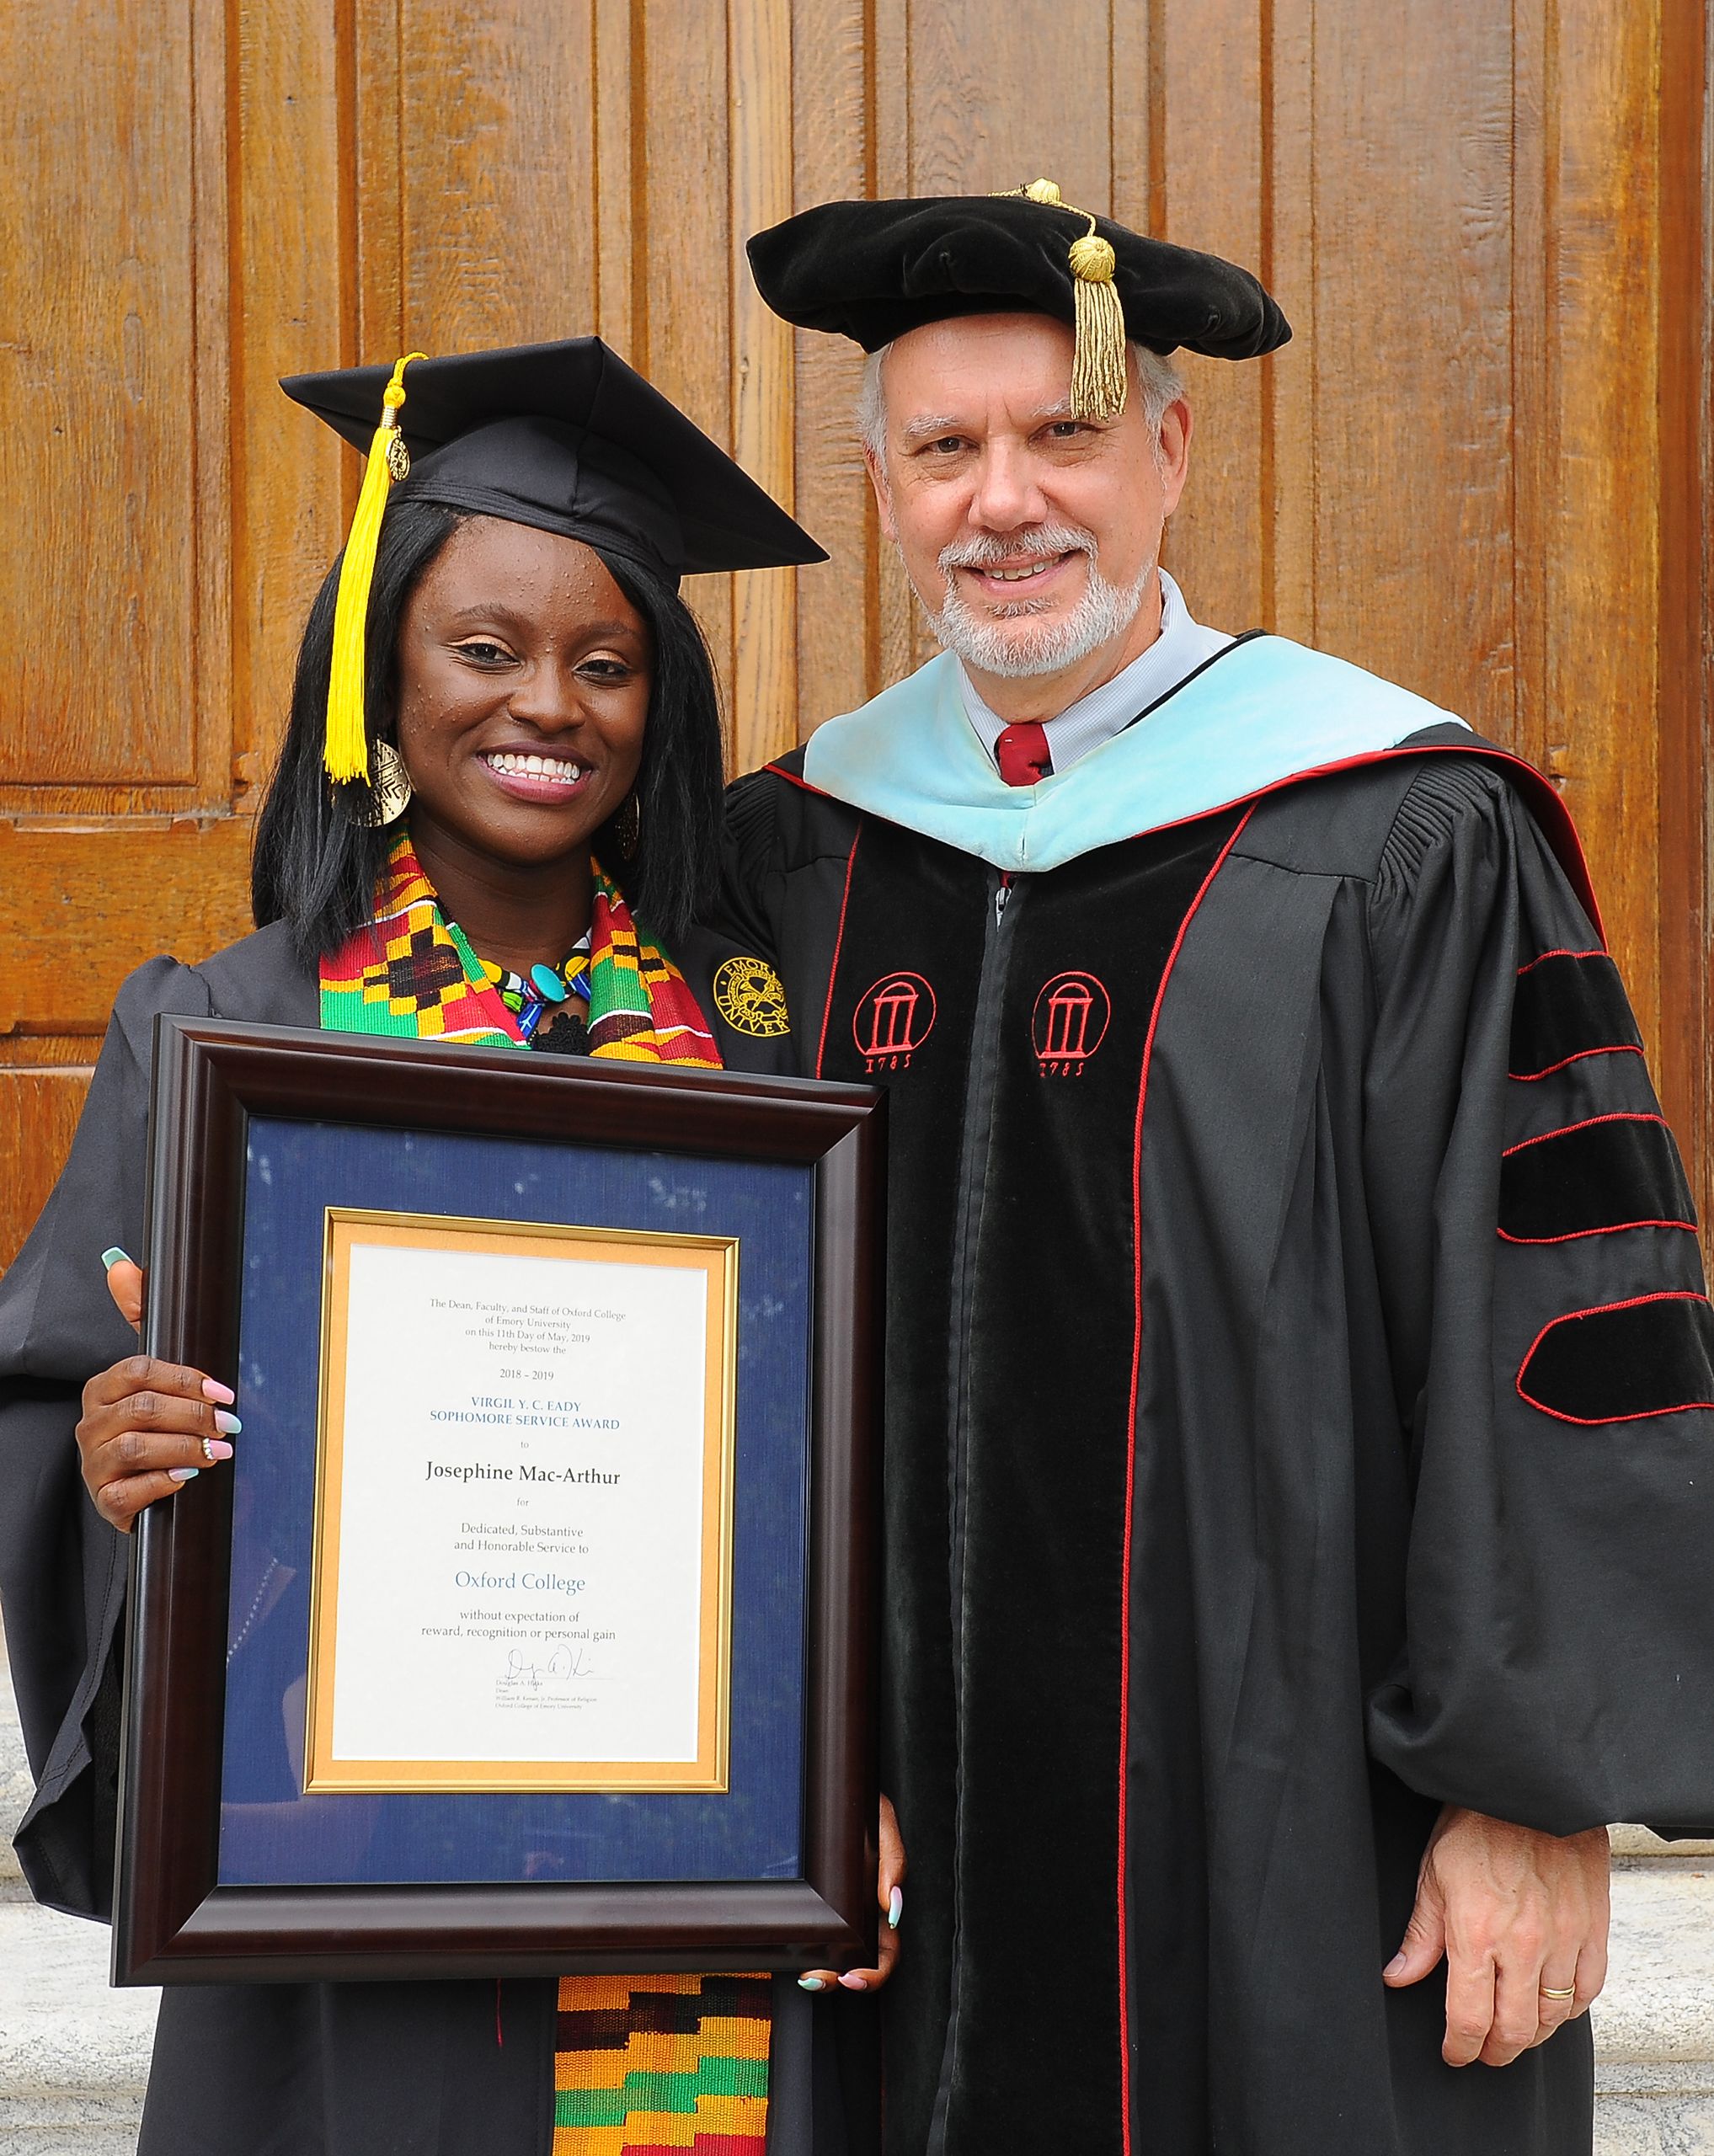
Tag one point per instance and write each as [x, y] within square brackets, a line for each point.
[1481, 468]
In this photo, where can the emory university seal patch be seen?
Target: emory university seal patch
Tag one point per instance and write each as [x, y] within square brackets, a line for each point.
[750, 996]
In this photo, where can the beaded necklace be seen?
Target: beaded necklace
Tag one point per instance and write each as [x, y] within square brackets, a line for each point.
[534, 999]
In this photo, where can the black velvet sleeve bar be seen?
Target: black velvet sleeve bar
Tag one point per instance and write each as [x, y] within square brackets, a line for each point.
[1568, 1005]
[1652, 1355]
[1594, 1178]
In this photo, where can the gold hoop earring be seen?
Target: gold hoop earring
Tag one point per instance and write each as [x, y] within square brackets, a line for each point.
[627, 827]
[389, 786]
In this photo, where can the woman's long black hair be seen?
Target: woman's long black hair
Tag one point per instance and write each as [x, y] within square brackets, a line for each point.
[315, 866]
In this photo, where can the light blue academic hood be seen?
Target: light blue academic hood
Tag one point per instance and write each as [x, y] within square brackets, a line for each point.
[1263, 711]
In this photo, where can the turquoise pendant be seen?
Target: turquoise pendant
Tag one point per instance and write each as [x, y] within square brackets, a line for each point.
[548, 985]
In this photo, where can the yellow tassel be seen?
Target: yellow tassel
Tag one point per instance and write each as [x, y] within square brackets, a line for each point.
[346, 750]
[1099, 375]
[1100, 370]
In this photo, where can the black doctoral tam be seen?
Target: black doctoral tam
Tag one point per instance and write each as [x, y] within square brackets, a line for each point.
[873, 270]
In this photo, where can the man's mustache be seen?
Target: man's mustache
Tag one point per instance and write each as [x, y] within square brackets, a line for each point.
[984, 549]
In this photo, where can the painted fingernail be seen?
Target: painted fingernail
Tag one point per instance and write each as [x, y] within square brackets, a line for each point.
[218, 1449]
[811, 1984]
[212, 1389]
[184, 1474]
[228, 1424]
[853, 1981]
[895, 1909]
[109, 1258]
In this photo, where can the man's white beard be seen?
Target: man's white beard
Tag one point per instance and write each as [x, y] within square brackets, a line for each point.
[983, 641]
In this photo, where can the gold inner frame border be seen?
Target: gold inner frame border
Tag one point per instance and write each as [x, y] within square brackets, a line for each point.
[718, 1257]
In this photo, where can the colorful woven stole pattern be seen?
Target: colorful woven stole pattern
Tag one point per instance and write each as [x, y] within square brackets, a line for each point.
[640, 1009]
[409, 972]
[646, 2065]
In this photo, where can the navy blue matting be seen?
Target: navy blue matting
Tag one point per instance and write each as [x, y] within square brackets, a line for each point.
[271, 1834]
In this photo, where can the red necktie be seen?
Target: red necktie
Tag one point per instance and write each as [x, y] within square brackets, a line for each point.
[1023, 754]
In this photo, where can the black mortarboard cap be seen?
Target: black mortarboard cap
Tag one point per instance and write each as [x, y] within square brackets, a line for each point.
[564, 437]
[873, 270]
[567, 438]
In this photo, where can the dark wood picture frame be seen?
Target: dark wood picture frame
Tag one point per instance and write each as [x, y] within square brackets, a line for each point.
[173, 1922]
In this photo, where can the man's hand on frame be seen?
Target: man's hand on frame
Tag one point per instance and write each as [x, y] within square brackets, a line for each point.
[1521, 1919]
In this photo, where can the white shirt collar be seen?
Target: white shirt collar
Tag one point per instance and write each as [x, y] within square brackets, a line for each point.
[1181, 647]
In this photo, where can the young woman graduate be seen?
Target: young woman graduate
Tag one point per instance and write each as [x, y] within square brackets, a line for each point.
[494, 816]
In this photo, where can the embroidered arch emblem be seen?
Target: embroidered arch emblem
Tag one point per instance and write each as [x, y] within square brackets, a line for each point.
[892, 1020]
[1069, 1022]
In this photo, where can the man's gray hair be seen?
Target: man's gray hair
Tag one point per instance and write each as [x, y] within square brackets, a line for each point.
[1160, 381]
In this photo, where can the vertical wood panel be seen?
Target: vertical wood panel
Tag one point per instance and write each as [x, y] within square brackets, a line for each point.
[834, 149]
[95, 363]
[1686, 544]
[764, 718]
[1537, 732]
[897, 641]
[229, 744]
[681, 325]
[617, 79]
[1413, 353]
[995, 103]
[1212, 198]
[376, 211]
[1287, 479]
[1134, 125]
[1601, 676]
[41, 1112]
[498, 200]
[290, 313]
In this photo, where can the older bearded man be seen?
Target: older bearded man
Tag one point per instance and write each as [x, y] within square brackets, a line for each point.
[1299, 1371]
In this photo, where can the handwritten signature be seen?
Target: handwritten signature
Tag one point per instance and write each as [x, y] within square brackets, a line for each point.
[563, 1665]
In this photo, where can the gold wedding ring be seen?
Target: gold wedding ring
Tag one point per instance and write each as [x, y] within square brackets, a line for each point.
[1571, 1992]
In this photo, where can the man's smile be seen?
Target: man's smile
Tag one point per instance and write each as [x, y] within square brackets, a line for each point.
[1001, 581]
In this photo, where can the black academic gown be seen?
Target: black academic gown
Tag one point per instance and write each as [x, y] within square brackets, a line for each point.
[353, 2069]
[1241, 1511]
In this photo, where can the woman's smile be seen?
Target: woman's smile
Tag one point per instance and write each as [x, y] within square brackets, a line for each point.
[536, 774]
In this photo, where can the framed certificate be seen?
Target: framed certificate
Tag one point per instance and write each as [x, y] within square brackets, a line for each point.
[530, 1630]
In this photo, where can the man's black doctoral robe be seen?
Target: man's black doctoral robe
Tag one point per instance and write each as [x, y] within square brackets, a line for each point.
[351, 2069]
[1298, 1403]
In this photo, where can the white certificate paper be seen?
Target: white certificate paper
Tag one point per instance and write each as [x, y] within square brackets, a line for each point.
[523, 1520]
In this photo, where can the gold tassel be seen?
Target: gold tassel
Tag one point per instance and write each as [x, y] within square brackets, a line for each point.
[345, 753]
[1099, 374]
[1100, 368]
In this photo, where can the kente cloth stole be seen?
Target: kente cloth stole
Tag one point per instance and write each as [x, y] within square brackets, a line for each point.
[647, 2065]
[406, 971]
